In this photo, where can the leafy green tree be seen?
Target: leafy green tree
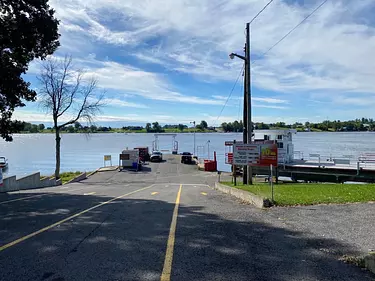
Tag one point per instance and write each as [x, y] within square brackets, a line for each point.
[34, 128]
[41, 127]
[28, 30]
[148, 127]
[70, 129]
[181, 127]
[203, 124]
[77, 126]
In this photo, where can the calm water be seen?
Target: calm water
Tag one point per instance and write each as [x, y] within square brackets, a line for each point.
[35, 152]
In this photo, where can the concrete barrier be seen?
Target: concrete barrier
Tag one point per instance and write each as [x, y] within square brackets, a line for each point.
[246, 196]
[78, 178]
[9, 184]
[370, 262]
[27, 182]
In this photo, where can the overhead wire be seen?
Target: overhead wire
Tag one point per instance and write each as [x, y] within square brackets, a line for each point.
[294, 28]
[229, 96]
[261, 11]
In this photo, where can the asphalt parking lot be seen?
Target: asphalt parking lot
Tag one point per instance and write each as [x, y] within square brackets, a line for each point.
[163, 223]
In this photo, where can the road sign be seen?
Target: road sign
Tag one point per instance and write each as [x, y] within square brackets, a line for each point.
[246, 154]
[268, 155]
[107, 157]
[255, 154]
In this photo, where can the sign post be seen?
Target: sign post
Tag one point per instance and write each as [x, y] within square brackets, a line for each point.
[234, 168]
[271, 181]
[107, 158]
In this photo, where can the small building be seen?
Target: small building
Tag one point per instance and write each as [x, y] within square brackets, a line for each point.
[284, 140]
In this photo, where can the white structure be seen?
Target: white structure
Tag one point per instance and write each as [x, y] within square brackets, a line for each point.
[284, 141]
[129, 157]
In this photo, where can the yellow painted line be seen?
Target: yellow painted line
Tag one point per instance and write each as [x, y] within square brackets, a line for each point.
[15, 242]
[154, 193]
[203, 193]
[90, 193]
[167, 268]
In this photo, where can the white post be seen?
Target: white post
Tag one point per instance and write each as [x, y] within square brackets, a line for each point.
[208, 144]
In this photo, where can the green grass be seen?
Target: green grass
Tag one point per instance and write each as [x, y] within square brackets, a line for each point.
[67, 176]
[308, 194]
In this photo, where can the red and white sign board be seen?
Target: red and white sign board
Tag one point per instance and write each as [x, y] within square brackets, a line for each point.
[246, 154]
[255, 154]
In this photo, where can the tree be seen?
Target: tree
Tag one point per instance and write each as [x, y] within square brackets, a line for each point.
[34, 129]
[93, 128]
[65, 92]
[181, 127]
[204, 124]
[41, 127]
[148, 127]
[77, 126]
[28, 30]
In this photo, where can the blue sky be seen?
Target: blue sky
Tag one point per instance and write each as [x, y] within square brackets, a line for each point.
[168, 61]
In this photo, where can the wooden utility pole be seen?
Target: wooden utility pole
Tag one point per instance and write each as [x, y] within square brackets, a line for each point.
[245, 119]
[248, 97]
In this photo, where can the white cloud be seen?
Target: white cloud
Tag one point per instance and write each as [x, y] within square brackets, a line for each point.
[121, 103]
[332, 51]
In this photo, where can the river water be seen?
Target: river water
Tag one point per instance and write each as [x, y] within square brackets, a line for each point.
[36, 152]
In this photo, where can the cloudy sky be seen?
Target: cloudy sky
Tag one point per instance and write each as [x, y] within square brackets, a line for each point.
[167, 60]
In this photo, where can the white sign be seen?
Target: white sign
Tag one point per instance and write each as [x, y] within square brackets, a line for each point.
[245, 154]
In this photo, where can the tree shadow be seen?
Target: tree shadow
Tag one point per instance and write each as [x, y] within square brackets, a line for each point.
[127, 239]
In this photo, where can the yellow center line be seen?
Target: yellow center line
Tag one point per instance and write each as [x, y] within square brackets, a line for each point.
[167, 268]
[90, 193]
[2, 248]
[154, 193]
[203, 193]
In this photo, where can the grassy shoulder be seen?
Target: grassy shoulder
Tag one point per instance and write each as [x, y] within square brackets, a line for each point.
[66, 176]
[286, 194]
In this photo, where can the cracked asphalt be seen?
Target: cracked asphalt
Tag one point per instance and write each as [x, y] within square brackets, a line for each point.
[119, 226]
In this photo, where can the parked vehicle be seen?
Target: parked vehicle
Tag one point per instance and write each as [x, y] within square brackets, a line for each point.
[186, 158]
[3, 163]
[156, 156]
[144, 154]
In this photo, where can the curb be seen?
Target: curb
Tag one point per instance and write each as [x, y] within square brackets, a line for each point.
[370, 262]
[92, 173]
[78, 178]
[246, 196]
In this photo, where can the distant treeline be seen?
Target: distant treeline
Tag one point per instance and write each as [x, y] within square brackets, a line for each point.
[363, 124]
[154, 127]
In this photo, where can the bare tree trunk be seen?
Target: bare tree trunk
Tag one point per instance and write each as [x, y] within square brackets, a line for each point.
[58, 139]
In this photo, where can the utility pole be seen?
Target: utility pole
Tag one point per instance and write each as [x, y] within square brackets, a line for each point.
[248, 91]
[244, 180]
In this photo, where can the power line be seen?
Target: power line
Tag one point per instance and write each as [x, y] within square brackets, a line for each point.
[230, 94]
[294, 28]
[261, 11]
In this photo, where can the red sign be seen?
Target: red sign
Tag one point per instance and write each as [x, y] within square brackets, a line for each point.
[229, 158]
[268, 155]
